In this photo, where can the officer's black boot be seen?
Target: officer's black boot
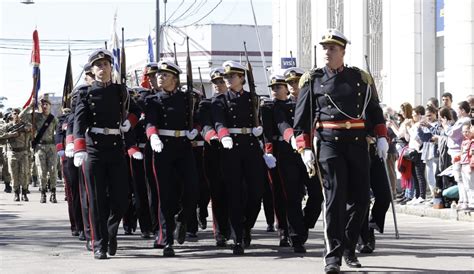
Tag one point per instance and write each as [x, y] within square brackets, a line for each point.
[247, 237]
[23, 195]
[284, 240]
[112, 246]
[238, 249]
[52, 198]
[17, 196]
[180, 232]
[168, 250]
[298, 246]
[43, 197]
[8, 187]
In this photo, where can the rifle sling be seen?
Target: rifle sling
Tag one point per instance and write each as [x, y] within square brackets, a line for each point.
[42, 130]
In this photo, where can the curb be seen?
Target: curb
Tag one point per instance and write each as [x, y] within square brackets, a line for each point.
[445, 213]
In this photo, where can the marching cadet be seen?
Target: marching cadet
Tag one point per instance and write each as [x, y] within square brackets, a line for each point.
[76, 175]
[312, 210]
[16, 136]
[338, 100]
[100, 118]
[291, 169]
[71, 185]
[212, 161]
[43, 145]
[273, 183]
[157, 218]
[243, 169]
[167, 117]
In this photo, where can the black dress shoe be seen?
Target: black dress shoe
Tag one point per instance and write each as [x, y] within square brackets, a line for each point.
[238, 249]
[202, 222]
[127, 231]
[332, 268]
[75, 233]
[299, 248]
[100, 255]
[89, 245]
[82, 236]
[168, 251]
[352, 261]
[247, 237]
[364, 248]
[180, 232]
[284, 241]
[146, 235]
[221, 243]
[113, 246]
[270, 228]
[158, 244]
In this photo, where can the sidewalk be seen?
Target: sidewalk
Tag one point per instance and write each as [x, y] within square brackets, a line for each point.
[429, 211]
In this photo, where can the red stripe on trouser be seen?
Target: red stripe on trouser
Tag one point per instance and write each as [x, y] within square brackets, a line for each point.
[91, 224]
[160, 236]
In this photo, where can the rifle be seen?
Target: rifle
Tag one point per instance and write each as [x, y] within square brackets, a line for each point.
[12, 130]
[123, 66]
[189, 84]
[176, 57]
[253, 93]
[203, 90]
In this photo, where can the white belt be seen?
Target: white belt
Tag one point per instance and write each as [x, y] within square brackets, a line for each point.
[141, 145]
[244, 130]
[105, 131]
[278, 138]
[197, 143]
[172, 133]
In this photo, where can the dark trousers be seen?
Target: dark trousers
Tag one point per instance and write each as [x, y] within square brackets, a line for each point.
[71, 188]
[244, 176]
[279, 195]
[157, 218]
[294, 179]
[379, 183]
[345, 173]
[176, 159]
[107, 187]
[139, 196]
[419, 178]
[204, 196]
[84, 200]
[217, 188]
[268, 199]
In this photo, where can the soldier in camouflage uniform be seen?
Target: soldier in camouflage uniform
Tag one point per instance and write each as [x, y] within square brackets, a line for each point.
[16, 135]
[44, 146]
[5, 175]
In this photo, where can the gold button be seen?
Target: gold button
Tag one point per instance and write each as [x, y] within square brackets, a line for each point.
[93, 103]
[235, 125]
[336, 138]
[231, 109]
[95, 123]
[251, 144]
[291, 110]
[358, 105]
[322, 86]
[236, 144]
[95, 142]
[94, 114]
[329, 106]
[234, 116]
[356, 138]
[166, 124]
[164, 115]
[251, 115]
[332, 116]
[118, 123]
[358, 84]
[115, 143]
[359, 94]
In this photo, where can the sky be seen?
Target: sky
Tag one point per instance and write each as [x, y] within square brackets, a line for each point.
[85, 25]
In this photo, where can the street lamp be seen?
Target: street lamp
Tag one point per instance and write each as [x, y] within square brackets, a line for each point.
[27, 2]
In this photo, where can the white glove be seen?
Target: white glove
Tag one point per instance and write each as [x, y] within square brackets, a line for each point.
[61, 153]
[227, 142]
[125, 126]
[69, 150]
[137, 155]
[79, 158]
[382, 148]
[293, 143]
[308, 159]
[270, 160]
[191, 134]
[257, 131]
[156, 143]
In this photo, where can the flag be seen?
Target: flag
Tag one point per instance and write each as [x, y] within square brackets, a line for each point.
[116, 53]
[123, 65]
[35, 61]
[68, 84]
[151, 57]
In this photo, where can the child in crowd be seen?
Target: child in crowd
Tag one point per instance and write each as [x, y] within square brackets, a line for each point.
[466, 188]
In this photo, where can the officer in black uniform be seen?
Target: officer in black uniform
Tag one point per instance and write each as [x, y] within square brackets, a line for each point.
[273, 182]
[167, 117]
[76, 175]
[212, 161]
[157, 218]
[100, 118]
[334, 103]
[70, 176]
[291, 169]
[236, 129]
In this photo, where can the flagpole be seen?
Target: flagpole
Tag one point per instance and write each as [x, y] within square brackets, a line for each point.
[158, 30]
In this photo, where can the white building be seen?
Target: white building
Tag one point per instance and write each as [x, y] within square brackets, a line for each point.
[417, 49]
[209, 45]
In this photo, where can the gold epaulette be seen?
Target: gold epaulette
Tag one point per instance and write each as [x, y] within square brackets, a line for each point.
[310, 74]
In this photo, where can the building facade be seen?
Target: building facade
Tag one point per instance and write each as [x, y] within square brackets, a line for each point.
[416, 49]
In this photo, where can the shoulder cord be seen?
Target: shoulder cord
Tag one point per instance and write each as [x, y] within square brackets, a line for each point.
[368, 95]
